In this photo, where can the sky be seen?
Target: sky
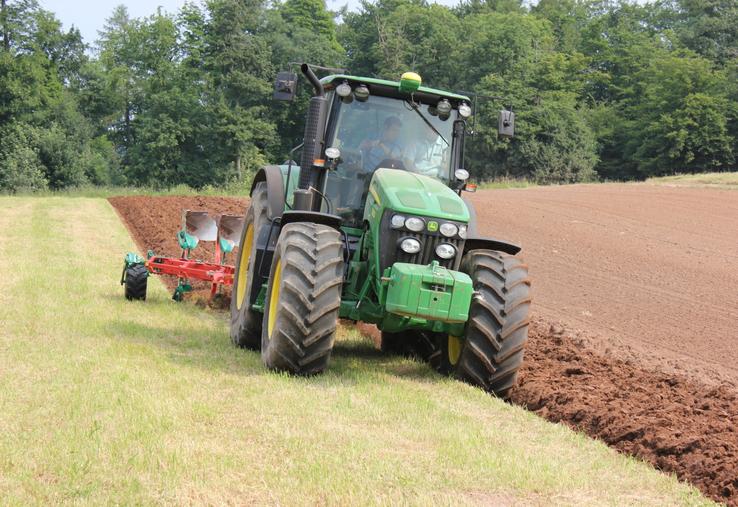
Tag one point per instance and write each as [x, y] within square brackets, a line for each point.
[89, 16]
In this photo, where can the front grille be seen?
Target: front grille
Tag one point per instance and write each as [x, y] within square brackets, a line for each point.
[390, 251]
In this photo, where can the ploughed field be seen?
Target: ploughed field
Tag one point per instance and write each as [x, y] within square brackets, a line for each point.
[635, 333]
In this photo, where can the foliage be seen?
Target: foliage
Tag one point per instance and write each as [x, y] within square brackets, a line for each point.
[20, 165]
[601, 89]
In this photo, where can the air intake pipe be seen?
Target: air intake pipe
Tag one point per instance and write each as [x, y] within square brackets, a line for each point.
[312, 150]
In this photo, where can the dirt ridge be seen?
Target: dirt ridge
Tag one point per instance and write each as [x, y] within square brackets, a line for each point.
[669, 420]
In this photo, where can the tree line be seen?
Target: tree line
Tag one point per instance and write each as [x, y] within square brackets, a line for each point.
[602, 89]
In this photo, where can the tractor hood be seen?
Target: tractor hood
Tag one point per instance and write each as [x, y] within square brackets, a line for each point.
[411, 193]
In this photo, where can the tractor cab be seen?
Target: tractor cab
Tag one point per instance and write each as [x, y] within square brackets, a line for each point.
[374, 124]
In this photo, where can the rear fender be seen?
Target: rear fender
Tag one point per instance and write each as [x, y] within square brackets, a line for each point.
[272, 175]
[316, 217]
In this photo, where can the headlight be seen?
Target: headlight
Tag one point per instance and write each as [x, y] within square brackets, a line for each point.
[445, 251]
[462, 231]
[415, 224]
[344, 90]
[465, 110]
[397, 221]
[449, 230]
[410, 246]
[332, 153]
[444, 107]
[461, 174]
[362, 93]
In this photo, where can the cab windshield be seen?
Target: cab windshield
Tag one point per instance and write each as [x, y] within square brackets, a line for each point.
[384, 132]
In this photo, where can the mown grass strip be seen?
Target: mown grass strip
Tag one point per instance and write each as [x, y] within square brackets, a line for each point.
[727, 180]
[108, 401]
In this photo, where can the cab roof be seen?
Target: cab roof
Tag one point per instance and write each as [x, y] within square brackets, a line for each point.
[391, 85]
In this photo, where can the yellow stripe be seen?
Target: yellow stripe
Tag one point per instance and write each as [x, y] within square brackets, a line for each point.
[375, 195]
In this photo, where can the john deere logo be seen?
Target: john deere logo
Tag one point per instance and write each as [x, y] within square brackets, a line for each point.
[432, 226]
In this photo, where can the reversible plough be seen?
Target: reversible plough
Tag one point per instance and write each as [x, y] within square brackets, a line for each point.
[197, 227]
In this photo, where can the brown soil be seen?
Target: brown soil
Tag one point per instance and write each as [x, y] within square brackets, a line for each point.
[650, 271]
[635, 339]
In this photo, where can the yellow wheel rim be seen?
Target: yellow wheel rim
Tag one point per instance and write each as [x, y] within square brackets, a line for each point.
[454, 349]
[243, 265]
[274, 298]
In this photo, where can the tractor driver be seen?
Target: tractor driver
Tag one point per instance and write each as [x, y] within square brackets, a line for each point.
[425, 154]
[386, 147]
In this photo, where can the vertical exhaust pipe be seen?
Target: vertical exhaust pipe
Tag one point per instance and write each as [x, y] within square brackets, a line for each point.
[313, 143]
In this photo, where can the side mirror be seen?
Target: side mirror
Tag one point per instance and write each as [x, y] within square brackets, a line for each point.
[285, 86]
[506, 123]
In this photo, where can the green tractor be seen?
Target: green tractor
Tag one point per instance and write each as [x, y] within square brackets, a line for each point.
[372, 227]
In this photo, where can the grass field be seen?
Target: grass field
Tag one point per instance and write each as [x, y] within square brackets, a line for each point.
[719, 180]
[108, 401]
[504, 182]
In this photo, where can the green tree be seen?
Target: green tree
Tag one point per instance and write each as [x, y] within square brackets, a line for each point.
[518, 63]
[20, 166]
[293, 38]
[240, 73]
[679, 117]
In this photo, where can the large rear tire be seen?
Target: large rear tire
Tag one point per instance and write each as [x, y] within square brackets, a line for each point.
[490, 353]
[245, 322]
[303, 299]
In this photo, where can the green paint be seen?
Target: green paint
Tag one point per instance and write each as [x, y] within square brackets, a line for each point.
[410, 82]
[430, 292]
[226, 246]
[260, 298]
[133, 259]
[187, 241]
[393, 84]
[179, 291]
[416, 194]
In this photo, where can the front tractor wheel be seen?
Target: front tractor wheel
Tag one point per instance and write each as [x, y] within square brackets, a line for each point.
[303, 299]
[246, 322]
[490, 353]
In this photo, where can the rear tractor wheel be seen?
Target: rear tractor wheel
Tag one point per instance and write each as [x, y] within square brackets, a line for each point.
[303, 299]
[245, 322]
[490, 353]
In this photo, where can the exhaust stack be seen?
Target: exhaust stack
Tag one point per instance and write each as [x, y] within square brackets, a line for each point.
[311, 176]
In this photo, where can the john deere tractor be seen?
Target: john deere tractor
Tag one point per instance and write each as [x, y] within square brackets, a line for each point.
[371, 226]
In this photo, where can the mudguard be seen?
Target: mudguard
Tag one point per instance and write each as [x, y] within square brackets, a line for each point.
[275, 189]
[316, 217]
[497, 245]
